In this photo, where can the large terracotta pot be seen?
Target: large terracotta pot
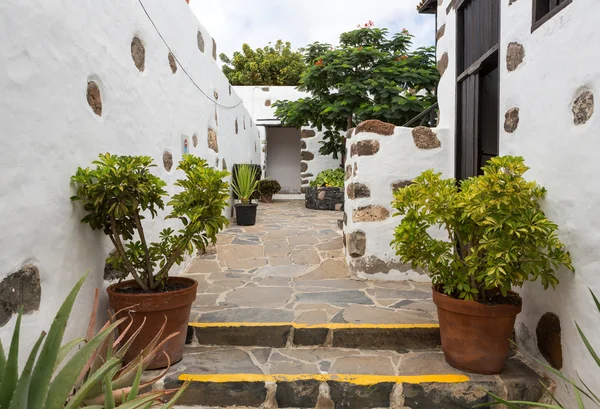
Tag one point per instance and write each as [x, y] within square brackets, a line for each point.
[475, 336]
[174, 305]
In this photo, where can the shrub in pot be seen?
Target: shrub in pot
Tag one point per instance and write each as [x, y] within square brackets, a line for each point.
[497, 237]
[267, 188]
[117, 195]
[244, 186]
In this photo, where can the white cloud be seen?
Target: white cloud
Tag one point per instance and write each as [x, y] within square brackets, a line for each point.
[256, 22]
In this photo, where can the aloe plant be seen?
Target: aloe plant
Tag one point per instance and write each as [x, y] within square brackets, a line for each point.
[245, 183]
[578, 390]
[92, 377]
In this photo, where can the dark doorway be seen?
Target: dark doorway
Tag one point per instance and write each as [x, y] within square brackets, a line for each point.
[478, 80]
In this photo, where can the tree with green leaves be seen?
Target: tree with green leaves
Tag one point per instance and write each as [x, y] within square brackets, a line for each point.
[368, 76]
[270, 65]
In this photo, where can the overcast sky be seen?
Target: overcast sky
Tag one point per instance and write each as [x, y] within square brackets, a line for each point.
[256, 22]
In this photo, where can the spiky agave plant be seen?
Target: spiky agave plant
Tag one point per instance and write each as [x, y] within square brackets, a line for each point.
[92, 377]
[245, 183]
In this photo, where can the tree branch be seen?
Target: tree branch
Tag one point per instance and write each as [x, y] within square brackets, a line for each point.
[172, 259]
[116, 239]
[138, 223]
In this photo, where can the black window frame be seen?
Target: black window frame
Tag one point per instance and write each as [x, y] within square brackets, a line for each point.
[552, 11]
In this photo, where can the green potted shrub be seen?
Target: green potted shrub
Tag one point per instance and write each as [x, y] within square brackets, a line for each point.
[267, 188]
[244, 186]
[117, 195]
[496, 238]
[329, 178]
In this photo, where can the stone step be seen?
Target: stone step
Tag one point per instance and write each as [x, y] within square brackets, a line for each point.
[347, 378]
[281, 334]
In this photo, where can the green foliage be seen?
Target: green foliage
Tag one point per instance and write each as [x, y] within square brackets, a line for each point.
[268, 187]
[245, 183]
[277, 65]
[578, 390]
[497, 235]
[329, 178]
[368, 76]
[50, 381]
[120, 189]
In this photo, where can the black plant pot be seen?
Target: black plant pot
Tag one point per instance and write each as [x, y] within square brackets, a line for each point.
[246, 214]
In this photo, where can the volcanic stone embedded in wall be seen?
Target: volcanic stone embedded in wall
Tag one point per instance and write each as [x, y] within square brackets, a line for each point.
[370, 213]
[349, 133]
[172, 62]
[348, 174]
[303, 166]
[355, 168]
[358, 190]
[302, 144]
[442, 64]
[94, 98]
[236, 126]
[229, 89]
[138, 53]
[214, 49]
[441, 31]
[374, 265]
[425, 138]
[216, 95]
[307, 175]
[324, 198]
[200, 41]
[583, 107]
[510, 2]
[167, 160]
[511, 120]
[514, 56]
[265, 89]
[195, 140]
[400, 184]
[304, 181]
[224, 164]
[307, 133]
[548, 333]
[268, 103]
[357, 243]
[213, 143]
[216, 117]
[21, 288]
[307, 156]
[375, 126]
[364, 148]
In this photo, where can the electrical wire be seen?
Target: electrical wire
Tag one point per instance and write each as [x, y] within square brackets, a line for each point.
[182, 67]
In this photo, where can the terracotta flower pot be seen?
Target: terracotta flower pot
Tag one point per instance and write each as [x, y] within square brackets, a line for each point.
[174, 305]
[266, 198]
[475, 336]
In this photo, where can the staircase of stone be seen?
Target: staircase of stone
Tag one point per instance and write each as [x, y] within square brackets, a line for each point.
[334, 365]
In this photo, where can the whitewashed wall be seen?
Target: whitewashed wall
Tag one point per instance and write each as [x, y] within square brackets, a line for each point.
[372, 178]
[259, 100]
[49, 51]
[560, 62]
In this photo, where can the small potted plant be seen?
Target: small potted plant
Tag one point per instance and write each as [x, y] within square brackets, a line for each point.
[244, 186]
[267, 188]
[118, 195]
[497, 237]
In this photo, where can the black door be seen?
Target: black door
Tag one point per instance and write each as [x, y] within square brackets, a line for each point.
[478, 83]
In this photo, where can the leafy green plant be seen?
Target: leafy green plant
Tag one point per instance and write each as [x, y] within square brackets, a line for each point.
[329, 178]
[374, 77]
[497, 235]
[268, 187]
[93, 376]
[245, 183]
[578, 390]
[120, 190]
[270, 65]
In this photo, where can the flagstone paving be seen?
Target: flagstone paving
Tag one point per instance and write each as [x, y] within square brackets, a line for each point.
[290, 267]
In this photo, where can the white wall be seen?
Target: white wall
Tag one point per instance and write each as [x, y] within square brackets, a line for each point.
[283, 158]
[561, 58]
[259, 100]
[398, 159]
[49, 50]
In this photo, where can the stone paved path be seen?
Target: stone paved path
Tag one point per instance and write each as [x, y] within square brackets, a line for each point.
[290, 267]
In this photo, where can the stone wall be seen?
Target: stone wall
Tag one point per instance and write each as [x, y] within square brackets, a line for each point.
[549, 80]
[80, 78]
[382, 158]
[324, 198]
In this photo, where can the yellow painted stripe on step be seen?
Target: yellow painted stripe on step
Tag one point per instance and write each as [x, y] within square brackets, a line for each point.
[363, 380]
[297, 325]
